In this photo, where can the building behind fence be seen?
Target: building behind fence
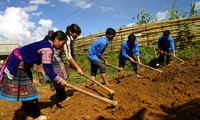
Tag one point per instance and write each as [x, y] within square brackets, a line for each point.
[147, 34]
[6, 48]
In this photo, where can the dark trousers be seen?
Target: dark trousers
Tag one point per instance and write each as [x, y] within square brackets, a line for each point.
[134, 65]
[31, 108]
[161, 58]
[60, 92]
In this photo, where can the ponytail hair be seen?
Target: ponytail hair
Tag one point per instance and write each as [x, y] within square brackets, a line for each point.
[47, 37]
[73, 28]
[59, 34]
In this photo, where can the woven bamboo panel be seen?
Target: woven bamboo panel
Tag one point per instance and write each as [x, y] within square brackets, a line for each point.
[146, 34]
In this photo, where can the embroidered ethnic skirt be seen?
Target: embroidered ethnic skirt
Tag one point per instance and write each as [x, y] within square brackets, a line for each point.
[59, 67]
[21, 88]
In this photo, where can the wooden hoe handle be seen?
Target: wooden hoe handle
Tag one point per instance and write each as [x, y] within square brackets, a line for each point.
[173, 56]
[115, 103]
[103, 86]
[149, 67]
[115, 67]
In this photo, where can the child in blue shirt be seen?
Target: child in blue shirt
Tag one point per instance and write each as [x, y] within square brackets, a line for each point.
[128, 48]
[95, 55]
[165, 44]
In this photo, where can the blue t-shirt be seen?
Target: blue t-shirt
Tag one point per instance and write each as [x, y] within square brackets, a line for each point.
[128, 50]
[166, 44]
[97, 48]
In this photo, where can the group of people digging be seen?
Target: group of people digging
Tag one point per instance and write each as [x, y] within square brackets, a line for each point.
[16, 81]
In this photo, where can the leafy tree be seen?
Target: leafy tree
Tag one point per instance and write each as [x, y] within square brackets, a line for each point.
[192, 9]
[174, 13]
[186, 33]
[143, 17]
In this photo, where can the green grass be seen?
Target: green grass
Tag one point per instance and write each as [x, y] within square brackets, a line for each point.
[189, 52]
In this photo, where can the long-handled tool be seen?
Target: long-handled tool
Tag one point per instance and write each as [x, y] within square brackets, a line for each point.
[157, 59]
[103, 86]
[121, 70]
[115, 67]
[150, 67]
[174, 56]
[112, 102]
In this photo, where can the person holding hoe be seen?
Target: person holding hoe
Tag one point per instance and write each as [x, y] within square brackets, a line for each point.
[95, 52]
[16, 80]
[165, 45]
[128, 48]
[72, 32]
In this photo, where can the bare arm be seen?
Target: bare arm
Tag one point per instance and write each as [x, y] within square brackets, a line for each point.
[174, 53]
[71, 60]
[105, 61]
[138, 59]
[76, 66]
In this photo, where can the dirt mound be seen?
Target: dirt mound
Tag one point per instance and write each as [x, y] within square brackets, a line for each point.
[173, 94]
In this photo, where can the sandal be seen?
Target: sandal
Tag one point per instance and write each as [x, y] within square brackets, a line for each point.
[41, 117]
[29, 117]
[139, 76]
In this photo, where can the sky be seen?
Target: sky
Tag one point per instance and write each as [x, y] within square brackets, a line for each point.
[27, 21]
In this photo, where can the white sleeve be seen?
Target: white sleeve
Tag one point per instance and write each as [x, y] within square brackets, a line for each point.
[67, 50]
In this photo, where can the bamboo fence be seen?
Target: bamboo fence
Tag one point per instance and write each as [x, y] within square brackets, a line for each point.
[146, 34]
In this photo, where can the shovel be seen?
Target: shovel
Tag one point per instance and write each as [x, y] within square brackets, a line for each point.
[101, 85]
[112, 102]
[174, 56]
[121, 70]
[149, 67]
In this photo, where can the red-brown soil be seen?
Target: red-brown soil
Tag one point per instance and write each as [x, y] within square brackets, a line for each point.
[171, 95]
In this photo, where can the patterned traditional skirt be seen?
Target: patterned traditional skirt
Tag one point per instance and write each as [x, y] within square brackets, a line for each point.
[21, 88]
[59, 67]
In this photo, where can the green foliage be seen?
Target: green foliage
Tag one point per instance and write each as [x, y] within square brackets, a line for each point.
[83, 62]
[64, 59]
[190, 51]
[186, 33]
[144, 17]
[174, 13]
[192, 9]
[147, 54]
[76, 80]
